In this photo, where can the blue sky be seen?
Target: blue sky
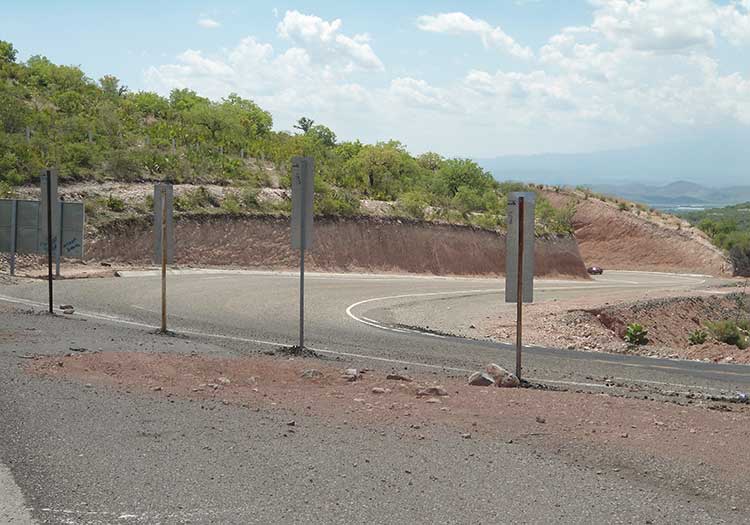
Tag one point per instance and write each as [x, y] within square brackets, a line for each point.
[465, 78]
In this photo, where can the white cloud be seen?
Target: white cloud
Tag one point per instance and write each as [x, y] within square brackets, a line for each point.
[671, 26]
[460, 23]
[325, 41]
[208, 23]
[635, 73]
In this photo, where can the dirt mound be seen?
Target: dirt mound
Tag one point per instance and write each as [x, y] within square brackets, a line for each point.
[358, 244]
[617, 235]
[669, 322]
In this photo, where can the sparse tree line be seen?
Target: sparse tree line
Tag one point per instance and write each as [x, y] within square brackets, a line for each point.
[53, 115]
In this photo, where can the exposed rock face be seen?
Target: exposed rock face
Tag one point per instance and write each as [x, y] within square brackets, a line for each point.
[352, 244]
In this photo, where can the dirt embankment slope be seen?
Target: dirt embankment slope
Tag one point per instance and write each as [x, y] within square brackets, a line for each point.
[637, 239]
[358, 244]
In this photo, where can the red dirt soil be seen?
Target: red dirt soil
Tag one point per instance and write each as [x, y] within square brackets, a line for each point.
[625, 240]
[672, 432]
[359, 244]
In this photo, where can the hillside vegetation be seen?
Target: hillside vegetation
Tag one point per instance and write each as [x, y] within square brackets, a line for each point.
[97, 131]
[729, 228]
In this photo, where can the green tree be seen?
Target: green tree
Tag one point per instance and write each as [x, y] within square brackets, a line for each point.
[323, 134]
[111, 86]
[304, 124]
[8, 53]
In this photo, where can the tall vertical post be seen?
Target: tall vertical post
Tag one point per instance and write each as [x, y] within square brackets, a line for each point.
[58, 244]
[49, 237]
[28, 135]
[302, 274]
[519, 287]
[163, 259]
[13, 235]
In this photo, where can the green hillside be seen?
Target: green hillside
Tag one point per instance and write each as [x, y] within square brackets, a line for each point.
[55, 115]
[729, 228]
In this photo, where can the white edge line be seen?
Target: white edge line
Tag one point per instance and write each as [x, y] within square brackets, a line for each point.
[117, 319]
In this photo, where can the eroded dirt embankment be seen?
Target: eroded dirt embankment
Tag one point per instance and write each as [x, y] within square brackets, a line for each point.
[633, 239]
[358, 244]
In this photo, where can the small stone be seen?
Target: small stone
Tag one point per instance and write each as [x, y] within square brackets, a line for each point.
[291, 423]
[433, 400]
[481, 379]
[359, 400]
[432, 391]
[378, 390]
[224, 381]
[312, 373]
[156, 389]
[68, 311]
[540, 420]
[466, 435]
[351, 374]
[624, 435]
[399, 377]
[66, 307]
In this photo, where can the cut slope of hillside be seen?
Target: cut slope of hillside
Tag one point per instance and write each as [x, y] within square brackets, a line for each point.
[368, 244]
[618, 235]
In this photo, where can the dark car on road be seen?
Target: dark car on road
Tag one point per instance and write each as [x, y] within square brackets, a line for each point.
[595, 270]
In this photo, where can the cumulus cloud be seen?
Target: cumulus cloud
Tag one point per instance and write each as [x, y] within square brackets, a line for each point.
[208, 23]
[325, 41]
[671, 26]
[460, 23]
[633, 72]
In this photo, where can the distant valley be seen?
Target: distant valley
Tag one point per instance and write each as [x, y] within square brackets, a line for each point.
[676, 195]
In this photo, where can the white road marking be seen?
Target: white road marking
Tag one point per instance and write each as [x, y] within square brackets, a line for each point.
[121, 320]
[12, 507]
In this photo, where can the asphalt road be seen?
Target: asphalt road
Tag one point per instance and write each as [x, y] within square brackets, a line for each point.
[353, 315]
[71, 454]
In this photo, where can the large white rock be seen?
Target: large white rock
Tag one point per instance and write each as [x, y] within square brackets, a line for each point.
[502, 377]
[481, 379]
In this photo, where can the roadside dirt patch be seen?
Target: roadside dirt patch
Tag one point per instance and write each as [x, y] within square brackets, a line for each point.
[635, 239]
[670, 321]
[591, 324]
[689, 434]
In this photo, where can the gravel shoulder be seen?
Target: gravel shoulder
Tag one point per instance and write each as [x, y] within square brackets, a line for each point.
[124, 431]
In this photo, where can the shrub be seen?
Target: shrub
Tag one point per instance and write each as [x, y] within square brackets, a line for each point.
[622, 206]
[636, 335]
[249, 198]
[191, 200]
[6, 191]
[698, 337]
[337, 202]
[731, 332]
[412, 204]
[231, 204]
[115, 204]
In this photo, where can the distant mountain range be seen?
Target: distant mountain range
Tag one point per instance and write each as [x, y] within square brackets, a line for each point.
[681, 193]
[711, 169]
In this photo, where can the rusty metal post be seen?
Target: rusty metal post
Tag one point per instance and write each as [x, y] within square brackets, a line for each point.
[519, 287]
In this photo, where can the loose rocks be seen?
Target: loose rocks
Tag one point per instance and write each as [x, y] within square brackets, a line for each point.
[312, 373]
[398, 377]
[481, 379]
[502, 377]
[351, 374]
[432, 391]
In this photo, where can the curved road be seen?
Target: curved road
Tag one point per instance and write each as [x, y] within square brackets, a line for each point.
[359, 316]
